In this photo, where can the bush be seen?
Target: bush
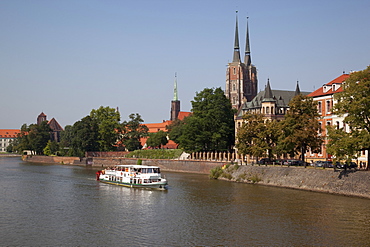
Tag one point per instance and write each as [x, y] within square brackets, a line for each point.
[254, 178]
[216, 172]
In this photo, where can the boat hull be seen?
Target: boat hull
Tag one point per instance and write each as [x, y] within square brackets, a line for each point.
[157, 186]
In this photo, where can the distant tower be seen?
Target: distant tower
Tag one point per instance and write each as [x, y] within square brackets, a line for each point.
[241, 78]
[175, 103]
[41, 118]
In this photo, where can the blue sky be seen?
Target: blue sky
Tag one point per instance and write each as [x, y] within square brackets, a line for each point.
[65, 58]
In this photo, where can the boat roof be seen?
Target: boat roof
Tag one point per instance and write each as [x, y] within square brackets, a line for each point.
[137, 166]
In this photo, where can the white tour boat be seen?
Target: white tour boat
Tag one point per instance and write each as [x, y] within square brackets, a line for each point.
[138, 176]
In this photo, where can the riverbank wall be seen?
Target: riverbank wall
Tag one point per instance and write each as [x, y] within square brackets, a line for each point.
[349, 182]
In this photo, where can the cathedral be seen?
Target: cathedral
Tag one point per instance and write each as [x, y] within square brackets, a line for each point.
[241, 78]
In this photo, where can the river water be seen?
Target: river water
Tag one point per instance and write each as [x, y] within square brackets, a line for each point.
[60, 205]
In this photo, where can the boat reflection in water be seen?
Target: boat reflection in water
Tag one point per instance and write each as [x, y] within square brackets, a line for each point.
[137, 176]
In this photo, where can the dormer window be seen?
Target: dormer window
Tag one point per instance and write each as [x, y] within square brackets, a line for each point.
[326, 88]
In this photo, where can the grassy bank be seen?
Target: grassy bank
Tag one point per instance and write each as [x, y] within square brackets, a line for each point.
[156, 154]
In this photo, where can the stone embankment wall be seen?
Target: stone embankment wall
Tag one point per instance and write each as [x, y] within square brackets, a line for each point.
[55, 159]
[349, 182]
[203, 167]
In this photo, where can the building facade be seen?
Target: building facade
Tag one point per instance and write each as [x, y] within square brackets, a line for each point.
[324, 96]
[241, 78]
[6, 137]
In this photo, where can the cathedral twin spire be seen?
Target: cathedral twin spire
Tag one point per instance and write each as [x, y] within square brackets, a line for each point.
[236, 57]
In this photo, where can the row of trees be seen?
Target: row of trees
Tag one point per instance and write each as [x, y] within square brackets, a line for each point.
[99, 131]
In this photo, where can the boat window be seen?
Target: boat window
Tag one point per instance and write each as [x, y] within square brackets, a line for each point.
[144, 170]
[150, 170]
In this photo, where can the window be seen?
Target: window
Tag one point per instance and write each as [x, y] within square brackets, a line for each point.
[234, 87]
[267, 110]
[327, 125]
[319, 107]
[337, 123]
[328, 106]
[234, 69]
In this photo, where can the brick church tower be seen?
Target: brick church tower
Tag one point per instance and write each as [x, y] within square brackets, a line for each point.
[241, 78]
[175, 103]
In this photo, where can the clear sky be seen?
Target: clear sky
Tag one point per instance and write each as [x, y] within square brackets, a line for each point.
[65, 58]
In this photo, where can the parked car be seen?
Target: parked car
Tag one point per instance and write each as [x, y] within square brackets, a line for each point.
[292, 162]
[323, 163]
[265, 161]
[347, 165]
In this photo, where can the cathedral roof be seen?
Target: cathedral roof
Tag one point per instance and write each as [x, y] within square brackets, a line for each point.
[280, 97]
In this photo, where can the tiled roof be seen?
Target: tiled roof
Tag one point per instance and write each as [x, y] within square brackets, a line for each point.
[54, 125]
[320, 91]
[155, 127]
[9, 133]
[183, 114]
[281, 97]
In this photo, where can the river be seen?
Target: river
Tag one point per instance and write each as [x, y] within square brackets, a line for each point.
[60, 205]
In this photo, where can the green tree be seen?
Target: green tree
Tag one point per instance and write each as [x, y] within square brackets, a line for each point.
[84, 137]
[354, 104]
[257, 136]
[300, 127]
[21, 142]
[343, 145]
[51, 148]
[158, 139]
[211, 125]
[132, 131]
[38, 136]
[66, 137]
[107, 120]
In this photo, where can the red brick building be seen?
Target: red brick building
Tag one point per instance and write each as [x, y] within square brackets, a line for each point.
[324, 96]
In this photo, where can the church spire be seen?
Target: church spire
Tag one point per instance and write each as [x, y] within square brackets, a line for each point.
[175, 95]
[236, 57]
[268, 91]
[175, 103]
[247, 58]
[297, 90]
